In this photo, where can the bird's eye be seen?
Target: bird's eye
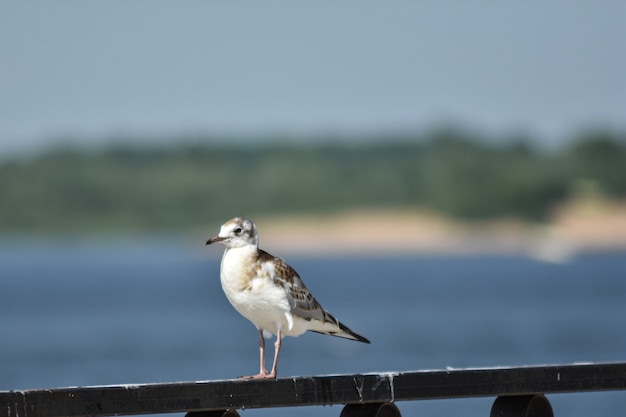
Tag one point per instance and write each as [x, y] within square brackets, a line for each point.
[237, 230]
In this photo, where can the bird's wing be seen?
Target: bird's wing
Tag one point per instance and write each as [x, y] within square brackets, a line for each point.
[302, 303]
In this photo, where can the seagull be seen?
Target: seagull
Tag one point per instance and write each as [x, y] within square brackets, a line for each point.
[268, 292]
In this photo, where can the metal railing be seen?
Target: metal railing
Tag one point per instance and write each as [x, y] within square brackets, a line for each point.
[519, 391]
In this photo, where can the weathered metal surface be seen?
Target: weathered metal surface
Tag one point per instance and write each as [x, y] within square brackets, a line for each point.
[317, 390]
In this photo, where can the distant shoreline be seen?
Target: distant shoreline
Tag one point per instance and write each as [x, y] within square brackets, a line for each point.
[579, 226]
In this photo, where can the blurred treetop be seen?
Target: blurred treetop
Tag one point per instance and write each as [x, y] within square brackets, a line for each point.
[141, 188]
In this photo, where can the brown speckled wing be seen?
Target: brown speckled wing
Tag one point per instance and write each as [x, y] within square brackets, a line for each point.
[302, 303]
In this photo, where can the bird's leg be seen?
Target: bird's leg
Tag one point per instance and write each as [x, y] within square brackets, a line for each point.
[274, 370]
[262, 371]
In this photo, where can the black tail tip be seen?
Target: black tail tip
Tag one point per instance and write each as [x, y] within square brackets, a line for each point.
[355, 336]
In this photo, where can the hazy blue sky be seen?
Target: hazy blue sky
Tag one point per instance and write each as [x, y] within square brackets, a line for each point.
[95, 69]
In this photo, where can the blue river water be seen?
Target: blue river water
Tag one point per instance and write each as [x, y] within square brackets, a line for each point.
[111, 312]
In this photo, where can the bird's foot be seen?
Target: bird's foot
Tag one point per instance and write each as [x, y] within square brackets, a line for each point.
[262, 375]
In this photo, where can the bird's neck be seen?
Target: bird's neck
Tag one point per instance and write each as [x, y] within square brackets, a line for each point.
[242, 251]
[237, 268]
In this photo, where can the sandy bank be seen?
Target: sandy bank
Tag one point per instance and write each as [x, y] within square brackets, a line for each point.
[578, 226]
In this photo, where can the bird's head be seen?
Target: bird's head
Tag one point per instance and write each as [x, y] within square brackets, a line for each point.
[237, 233]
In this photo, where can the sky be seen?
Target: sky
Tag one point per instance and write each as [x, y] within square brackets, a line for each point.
[93, 71]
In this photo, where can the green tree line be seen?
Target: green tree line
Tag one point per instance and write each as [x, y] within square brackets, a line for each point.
[139, 187]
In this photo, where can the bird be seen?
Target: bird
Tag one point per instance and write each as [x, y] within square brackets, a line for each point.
[268, 292]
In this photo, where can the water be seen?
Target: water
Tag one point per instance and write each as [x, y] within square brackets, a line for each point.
[85, 313]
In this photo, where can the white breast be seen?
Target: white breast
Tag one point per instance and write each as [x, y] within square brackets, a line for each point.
[254, 295]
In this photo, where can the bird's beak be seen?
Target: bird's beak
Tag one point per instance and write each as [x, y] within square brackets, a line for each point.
[214, 239]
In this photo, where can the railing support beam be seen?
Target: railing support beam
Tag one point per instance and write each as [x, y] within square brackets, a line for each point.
[516, 388]
[214, 413]
[521, 406]
[370, 410]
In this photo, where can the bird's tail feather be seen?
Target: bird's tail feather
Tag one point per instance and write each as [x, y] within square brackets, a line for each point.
[334, 327]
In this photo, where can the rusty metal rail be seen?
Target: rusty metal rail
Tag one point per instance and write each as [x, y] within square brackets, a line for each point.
[519, 391]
